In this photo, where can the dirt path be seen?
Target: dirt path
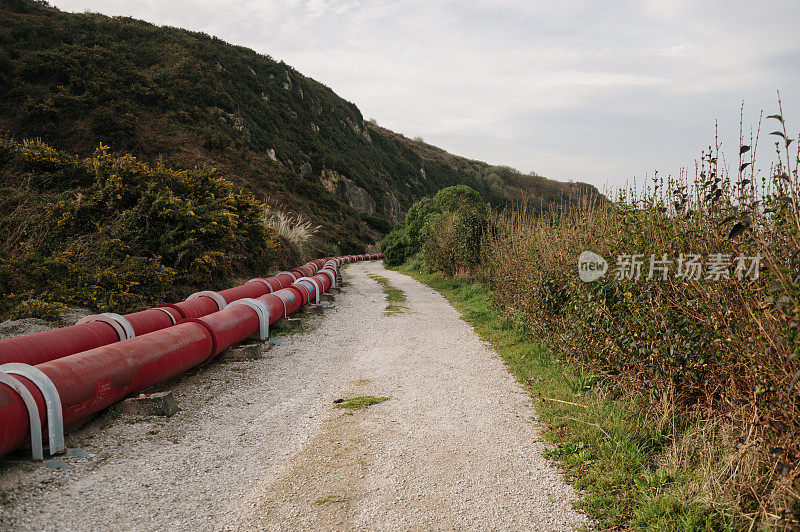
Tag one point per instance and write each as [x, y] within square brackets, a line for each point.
[260, 445]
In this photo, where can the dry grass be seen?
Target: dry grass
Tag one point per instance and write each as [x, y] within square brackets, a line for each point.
[296, 229]
[716, 359]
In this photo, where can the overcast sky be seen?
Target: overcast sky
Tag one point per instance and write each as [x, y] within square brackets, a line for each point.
[595, 91]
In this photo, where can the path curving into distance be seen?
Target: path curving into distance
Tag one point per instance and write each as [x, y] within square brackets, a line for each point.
[260, 445]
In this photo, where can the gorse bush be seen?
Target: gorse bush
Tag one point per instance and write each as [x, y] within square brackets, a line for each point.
[112, 233]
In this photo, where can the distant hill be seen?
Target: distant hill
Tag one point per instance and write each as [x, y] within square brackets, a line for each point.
[186, 99]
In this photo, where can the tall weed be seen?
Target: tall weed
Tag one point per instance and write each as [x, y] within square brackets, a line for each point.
[722, 344]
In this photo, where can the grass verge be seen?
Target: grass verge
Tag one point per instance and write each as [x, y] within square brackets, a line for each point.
[611, 447]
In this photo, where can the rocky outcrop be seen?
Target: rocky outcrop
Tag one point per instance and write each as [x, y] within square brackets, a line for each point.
[358, 198]
[230, 119]
[392, 208]
[359, 130]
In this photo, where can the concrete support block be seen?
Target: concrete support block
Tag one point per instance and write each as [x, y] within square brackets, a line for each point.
[292, 323]
[252, 351]
[151, 404]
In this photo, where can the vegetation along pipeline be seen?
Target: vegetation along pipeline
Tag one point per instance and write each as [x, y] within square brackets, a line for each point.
[55, 378]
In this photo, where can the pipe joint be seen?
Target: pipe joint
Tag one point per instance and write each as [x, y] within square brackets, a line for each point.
[294, 277]
[262, 281]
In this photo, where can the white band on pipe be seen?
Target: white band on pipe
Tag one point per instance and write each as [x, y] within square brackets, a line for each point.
[280, 296]
[317, 286]
[330, 274]
[262, 281]
[300, 285]
[55, 417]
[334, 271]
[124, 323]
[33, 414]
[121, 333]
[168, 313]
[262, 311]
[218, 299]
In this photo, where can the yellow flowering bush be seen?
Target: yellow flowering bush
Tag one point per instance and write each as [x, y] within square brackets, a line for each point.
[113, 233]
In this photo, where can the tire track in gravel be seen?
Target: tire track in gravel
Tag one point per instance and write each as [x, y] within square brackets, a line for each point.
[259, 445]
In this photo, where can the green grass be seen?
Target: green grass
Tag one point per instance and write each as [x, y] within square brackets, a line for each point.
[362, 401]
[607, 447]
[394, 296]
[329, 499]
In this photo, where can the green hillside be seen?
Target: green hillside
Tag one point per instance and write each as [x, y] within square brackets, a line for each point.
[182, 100]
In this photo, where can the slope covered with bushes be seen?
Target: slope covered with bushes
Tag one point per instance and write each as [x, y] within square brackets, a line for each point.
[186, 99]
[115, 234]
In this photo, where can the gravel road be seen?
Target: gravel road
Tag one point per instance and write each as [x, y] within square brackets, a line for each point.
[259, 444]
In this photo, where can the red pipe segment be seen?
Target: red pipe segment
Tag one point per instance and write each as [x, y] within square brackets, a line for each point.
[306, 292]
[304, 271]
[194, 308]
[99, 376]
[48, 345]
[148, 321]
[93, 380]
[310, 287]
[229, 327]
[41, 347]
[272, 284]
[325, 280]
[282, 303]
[246, 290]
[285, 279]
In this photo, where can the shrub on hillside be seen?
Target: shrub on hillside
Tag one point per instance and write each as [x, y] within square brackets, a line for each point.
[396, 247]
[424, 215]
[454, 243]
[112, 233]
[381, 225]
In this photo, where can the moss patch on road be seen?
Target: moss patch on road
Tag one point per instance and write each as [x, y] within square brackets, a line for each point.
[362, 401]
[394, 296]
